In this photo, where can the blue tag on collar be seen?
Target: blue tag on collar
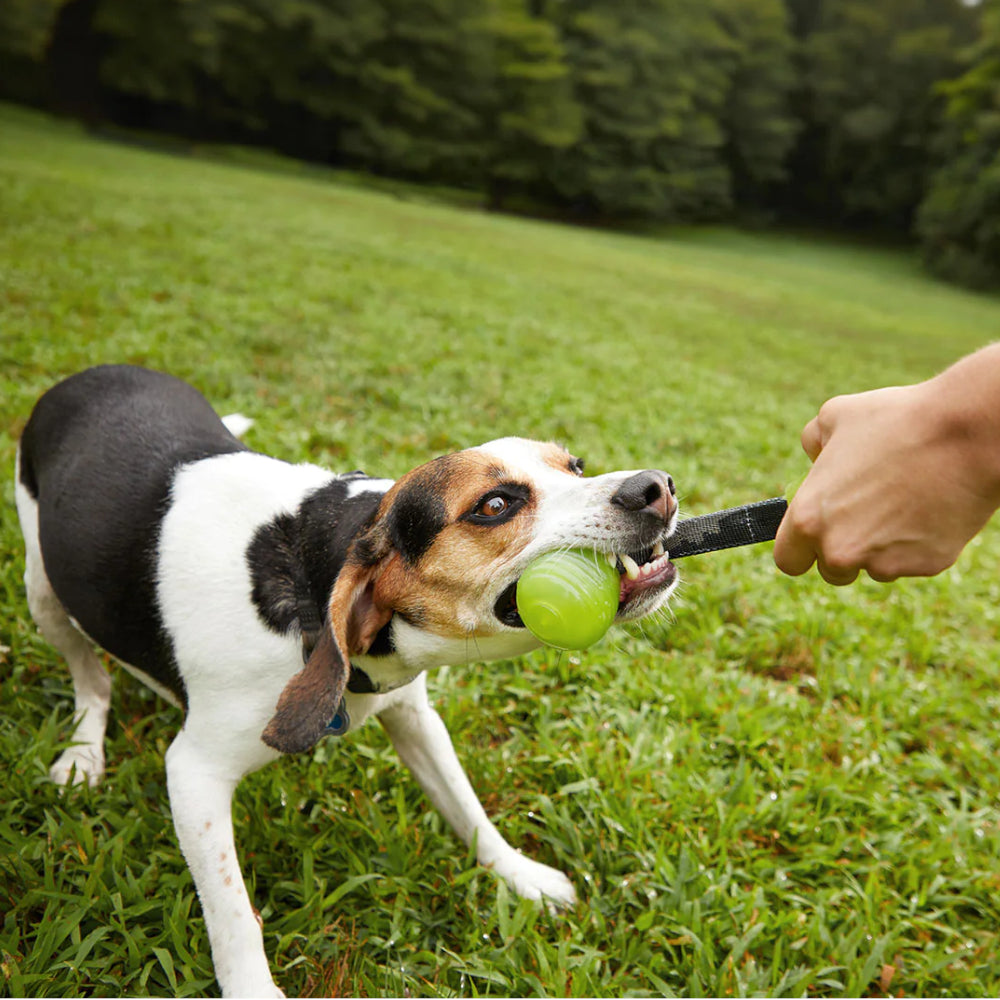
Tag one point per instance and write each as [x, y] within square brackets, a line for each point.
[340, 722]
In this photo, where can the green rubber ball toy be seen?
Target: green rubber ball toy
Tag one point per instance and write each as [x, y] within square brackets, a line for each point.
[568, 599]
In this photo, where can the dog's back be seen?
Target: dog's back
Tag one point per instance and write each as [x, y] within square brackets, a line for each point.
[98, 456]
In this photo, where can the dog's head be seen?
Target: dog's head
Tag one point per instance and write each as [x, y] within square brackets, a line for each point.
[443, 555]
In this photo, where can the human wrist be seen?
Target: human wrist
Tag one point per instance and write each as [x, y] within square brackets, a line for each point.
[963, 403]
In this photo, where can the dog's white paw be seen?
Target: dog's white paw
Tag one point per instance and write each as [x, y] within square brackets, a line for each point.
[81, 764]
[255, 990]
[532, 880]
[245, 972]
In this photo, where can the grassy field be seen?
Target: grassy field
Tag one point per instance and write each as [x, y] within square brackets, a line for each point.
[781, 789]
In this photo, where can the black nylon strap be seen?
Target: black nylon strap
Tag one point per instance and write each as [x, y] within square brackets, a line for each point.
[725, 529]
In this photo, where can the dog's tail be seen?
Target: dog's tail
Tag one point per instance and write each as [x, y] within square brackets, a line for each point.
[237, 424]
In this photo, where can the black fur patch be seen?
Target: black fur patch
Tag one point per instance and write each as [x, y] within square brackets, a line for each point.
[382, 645]
[418, 513]
[100, 453]
[294, 560]
[328, 522]
[359, 682]
[275, 570]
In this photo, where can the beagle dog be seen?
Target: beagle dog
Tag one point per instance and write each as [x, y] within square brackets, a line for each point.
[278, 604]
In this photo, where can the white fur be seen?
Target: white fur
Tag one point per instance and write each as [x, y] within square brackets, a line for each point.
[237, 424]
[423, 744]
[235, 668]
[205, 600]
[359, 486]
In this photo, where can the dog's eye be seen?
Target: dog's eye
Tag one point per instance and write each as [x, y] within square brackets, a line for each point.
[499, 505]
[576, 466]
[493, 506]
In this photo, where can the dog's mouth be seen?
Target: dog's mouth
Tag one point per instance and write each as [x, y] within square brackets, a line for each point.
[643, 574]
[648, 571]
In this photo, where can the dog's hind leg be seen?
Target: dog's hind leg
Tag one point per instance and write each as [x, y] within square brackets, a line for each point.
[422, 741]
[84, 760]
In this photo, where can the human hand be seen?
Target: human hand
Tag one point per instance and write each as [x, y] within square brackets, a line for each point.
[902, 478]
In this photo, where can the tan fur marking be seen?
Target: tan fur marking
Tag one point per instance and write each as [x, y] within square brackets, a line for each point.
[555, 457]
[464, 558]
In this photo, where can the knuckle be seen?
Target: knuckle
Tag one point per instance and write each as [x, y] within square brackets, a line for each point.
[828, 411]
[807, 519]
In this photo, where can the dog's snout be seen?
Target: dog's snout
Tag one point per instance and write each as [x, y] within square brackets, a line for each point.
[651, 492]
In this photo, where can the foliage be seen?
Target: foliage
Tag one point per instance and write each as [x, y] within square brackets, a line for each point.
[25, 26]
[615, 110]
[867, 100]
[25, 29]
[528, 114]
[782, 789]
[650, 108]
[637, 110]
[959, 220]
[757, 118]
[650, 99]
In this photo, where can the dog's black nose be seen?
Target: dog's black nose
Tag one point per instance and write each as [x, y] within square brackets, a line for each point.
[650, 492]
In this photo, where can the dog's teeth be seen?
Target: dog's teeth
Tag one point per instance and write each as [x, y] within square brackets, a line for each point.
[631, 566]
[658, 549]
[612, 559]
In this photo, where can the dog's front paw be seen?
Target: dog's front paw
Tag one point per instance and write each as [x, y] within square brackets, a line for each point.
[256, 991]
[79, 764]
[248, 985]
[532, 880]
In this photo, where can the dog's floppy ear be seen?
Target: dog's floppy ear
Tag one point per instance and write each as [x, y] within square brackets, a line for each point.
[311, 698]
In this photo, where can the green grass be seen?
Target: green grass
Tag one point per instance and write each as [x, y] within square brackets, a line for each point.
[781, 789]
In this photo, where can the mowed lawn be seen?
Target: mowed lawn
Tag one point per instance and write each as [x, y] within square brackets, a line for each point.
[781, 788]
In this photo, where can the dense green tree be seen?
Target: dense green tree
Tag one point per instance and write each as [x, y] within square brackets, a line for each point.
[959, 220]
[154, 49]
[684, 104]
[610, 109]
[804, 16]
[756, 118]
[527, 111]
[868, 105]
[413, 116]
[647, 77]
[26, 28]
[472, 92]
[287, 72]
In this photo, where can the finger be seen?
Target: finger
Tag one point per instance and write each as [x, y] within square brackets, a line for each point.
[793, 552]
[880, 576]
[839, 576]
[812, 439]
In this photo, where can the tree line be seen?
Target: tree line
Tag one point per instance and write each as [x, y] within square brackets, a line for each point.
[882, 114]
